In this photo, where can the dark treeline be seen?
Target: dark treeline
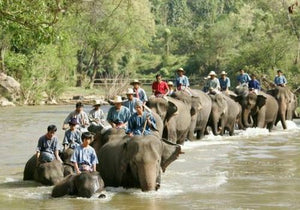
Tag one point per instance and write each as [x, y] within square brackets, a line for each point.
[50, 44]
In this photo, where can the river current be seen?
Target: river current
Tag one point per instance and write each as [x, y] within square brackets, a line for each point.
[253, 169]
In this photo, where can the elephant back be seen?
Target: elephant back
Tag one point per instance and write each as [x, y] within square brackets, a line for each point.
[29, 168]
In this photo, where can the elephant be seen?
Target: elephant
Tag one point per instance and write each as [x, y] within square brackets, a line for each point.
[225, 112]
[287, 103]
[200, 110]
[48, 173]
[66, 158]
[84, 185]
[136, 162]
[258, 110]
[175, 115]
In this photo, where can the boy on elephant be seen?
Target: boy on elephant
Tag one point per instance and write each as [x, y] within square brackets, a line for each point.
[160, 88]
[140, 123]
[47, 148]
[280, 79]
[84, 156]
[118, 115]
[243, 78]
[182, 82]
[72, 136]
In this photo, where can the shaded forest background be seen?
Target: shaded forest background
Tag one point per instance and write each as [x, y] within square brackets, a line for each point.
[48, 45]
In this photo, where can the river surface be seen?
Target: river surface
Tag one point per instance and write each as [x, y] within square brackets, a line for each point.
[253, 169]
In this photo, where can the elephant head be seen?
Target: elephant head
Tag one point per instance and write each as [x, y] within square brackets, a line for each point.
[164, 107]
[250, 106]
[145, 157]
[49, 173]
[218, 111]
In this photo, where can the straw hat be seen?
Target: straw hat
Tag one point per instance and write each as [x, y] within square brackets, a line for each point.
[180, 69]
[136, 81]
[212, 73]
[129, 91]
[97, 103]
[117, 99]
[223, 73]
[170, 83]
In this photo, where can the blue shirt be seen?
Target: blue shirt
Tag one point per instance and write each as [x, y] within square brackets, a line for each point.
[243, 78]
[140, 94]
[181, 81]
[96, 115]
[120, 116]
[131, 105]
[82, 118]
[84, 155]
[72, 138]
[279, 80]
[47, 145]
[136, 124]
[254, 84]
[224, 83]
[211, 84]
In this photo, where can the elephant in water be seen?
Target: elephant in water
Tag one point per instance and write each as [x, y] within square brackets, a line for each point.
[175, 115]
[48, 173]
[136, 162]
[84, 184]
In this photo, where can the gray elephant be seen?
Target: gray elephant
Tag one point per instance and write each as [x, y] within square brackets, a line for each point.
[175, 115]
[287, 103]
[84, 185]
[259, 110]
[200, 104]
[225, 113]
[66, 158]
[48, 173]
[136, 162]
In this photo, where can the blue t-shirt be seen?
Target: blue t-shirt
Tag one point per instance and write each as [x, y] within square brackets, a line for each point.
[140, 94]
[131, 105]
[279, 80]
[243, 78]
[72, 138]
[84, 155]
[117, 117]
[47, 145]
[136, 124]
[254, 84]
[181, 81]
[224, 83]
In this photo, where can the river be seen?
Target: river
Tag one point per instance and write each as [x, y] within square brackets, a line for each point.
[253, 169]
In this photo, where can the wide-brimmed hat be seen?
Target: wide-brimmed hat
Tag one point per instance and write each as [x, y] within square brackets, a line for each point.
[170, 83]
[129, 91]
[97, 103]
[180, 69]
[73, 121]
[212, 73]
[136, 81]
[223, 73]
[117, 99]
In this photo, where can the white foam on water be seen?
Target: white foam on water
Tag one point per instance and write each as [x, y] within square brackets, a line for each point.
[291, 125]
[10, 179]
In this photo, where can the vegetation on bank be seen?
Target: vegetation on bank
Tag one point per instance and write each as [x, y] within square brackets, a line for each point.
[48, 45]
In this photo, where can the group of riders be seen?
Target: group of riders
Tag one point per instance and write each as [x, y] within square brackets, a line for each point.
[131, 115]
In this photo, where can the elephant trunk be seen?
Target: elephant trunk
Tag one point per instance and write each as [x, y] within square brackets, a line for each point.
[246, 118]
[148, 177]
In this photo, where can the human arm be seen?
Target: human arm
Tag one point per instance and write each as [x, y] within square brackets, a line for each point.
[57, 156]
[76, 168]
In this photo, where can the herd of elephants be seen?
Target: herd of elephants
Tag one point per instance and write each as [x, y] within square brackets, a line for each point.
[137, 162]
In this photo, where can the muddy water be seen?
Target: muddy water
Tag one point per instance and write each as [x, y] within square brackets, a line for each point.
[254, 169]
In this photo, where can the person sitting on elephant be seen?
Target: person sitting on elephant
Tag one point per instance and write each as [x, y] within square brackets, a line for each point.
[213, 84]
[84, 156]
[243, 78]
[139, 92]
[80, 115]
[141, 122]
[130, 103]
[96, 115]
[47, 148]
[254, 84]
[72, 136]
[224, 81]
[160, 88]
[118, 115]
[280, 79]
[171, 88]
[182, 81]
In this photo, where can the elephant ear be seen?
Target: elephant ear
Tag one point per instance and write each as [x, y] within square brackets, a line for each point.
[172, 109]
[170, 153]
[261, 101]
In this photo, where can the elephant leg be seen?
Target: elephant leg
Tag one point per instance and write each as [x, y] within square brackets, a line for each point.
[270, 126]
[171, 130]
[261, 119]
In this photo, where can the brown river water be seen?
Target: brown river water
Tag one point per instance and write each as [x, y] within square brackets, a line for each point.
[253, 169]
